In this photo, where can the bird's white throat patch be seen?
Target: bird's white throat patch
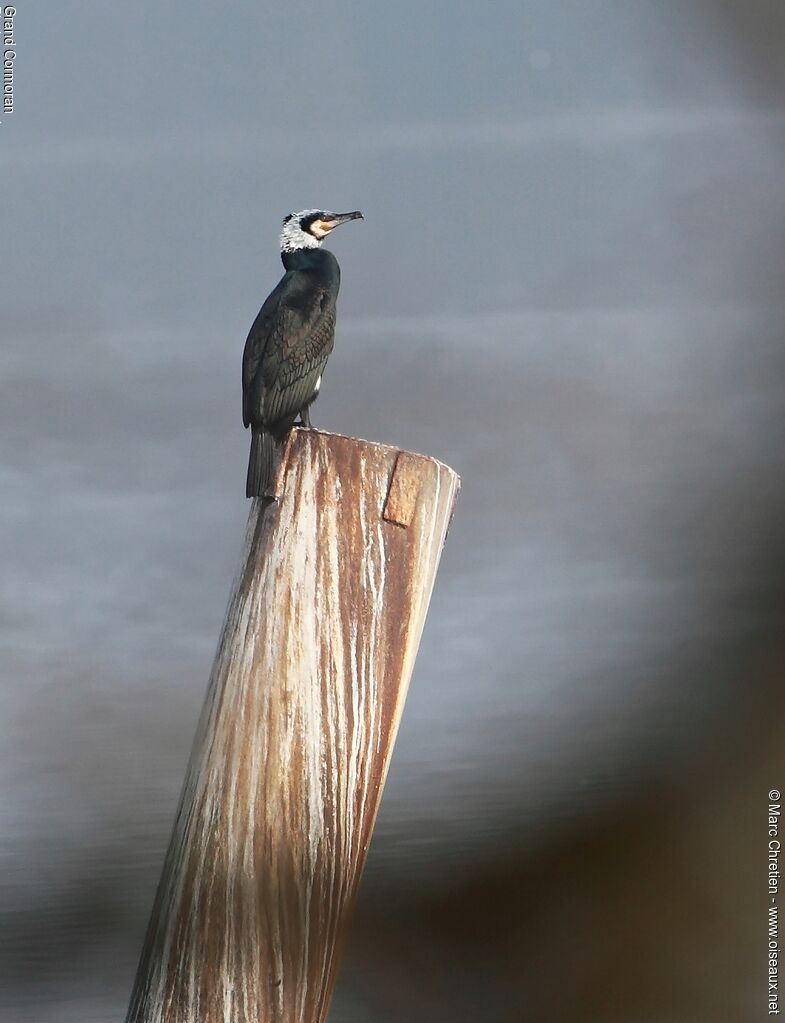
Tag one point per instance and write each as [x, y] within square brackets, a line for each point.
[293, 237]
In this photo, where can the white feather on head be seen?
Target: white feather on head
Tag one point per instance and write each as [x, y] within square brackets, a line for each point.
[293, 237]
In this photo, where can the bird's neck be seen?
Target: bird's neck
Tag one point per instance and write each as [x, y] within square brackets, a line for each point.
[319, 261]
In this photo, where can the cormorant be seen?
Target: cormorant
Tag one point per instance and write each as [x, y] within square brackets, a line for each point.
[291, 339]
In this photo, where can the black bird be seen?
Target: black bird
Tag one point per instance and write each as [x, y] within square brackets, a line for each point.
[290, 340]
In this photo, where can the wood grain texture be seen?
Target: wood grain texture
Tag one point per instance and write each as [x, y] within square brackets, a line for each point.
[295, 738]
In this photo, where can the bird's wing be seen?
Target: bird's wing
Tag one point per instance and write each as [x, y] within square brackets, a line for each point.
[296, 356]
[285, 353]
[255, 345]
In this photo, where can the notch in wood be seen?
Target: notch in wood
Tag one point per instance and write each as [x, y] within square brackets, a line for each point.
[404, 490]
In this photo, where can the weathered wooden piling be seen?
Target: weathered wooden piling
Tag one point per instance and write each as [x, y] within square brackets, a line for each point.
[295, 738]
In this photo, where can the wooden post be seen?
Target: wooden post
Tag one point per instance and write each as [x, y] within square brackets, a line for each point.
[295, 738]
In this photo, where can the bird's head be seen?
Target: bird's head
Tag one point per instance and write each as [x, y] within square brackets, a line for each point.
[308, 228]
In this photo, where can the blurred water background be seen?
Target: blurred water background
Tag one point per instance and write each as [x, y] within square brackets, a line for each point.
[569, 287]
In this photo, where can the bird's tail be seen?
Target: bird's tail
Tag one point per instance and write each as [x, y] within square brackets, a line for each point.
[261, 462]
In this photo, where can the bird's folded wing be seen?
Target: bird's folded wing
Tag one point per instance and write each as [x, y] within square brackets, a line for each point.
[295, 357]
[255, 344]
[285, 353]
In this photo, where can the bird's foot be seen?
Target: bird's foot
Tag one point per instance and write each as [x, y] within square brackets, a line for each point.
[305, 419]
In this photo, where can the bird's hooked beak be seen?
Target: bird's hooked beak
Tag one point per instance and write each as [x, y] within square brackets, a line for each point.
[344, 218]
[328, 222]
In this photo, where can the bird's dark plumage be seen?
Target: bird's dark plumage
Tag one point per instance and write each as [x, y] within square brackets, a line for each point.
[290, 341]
